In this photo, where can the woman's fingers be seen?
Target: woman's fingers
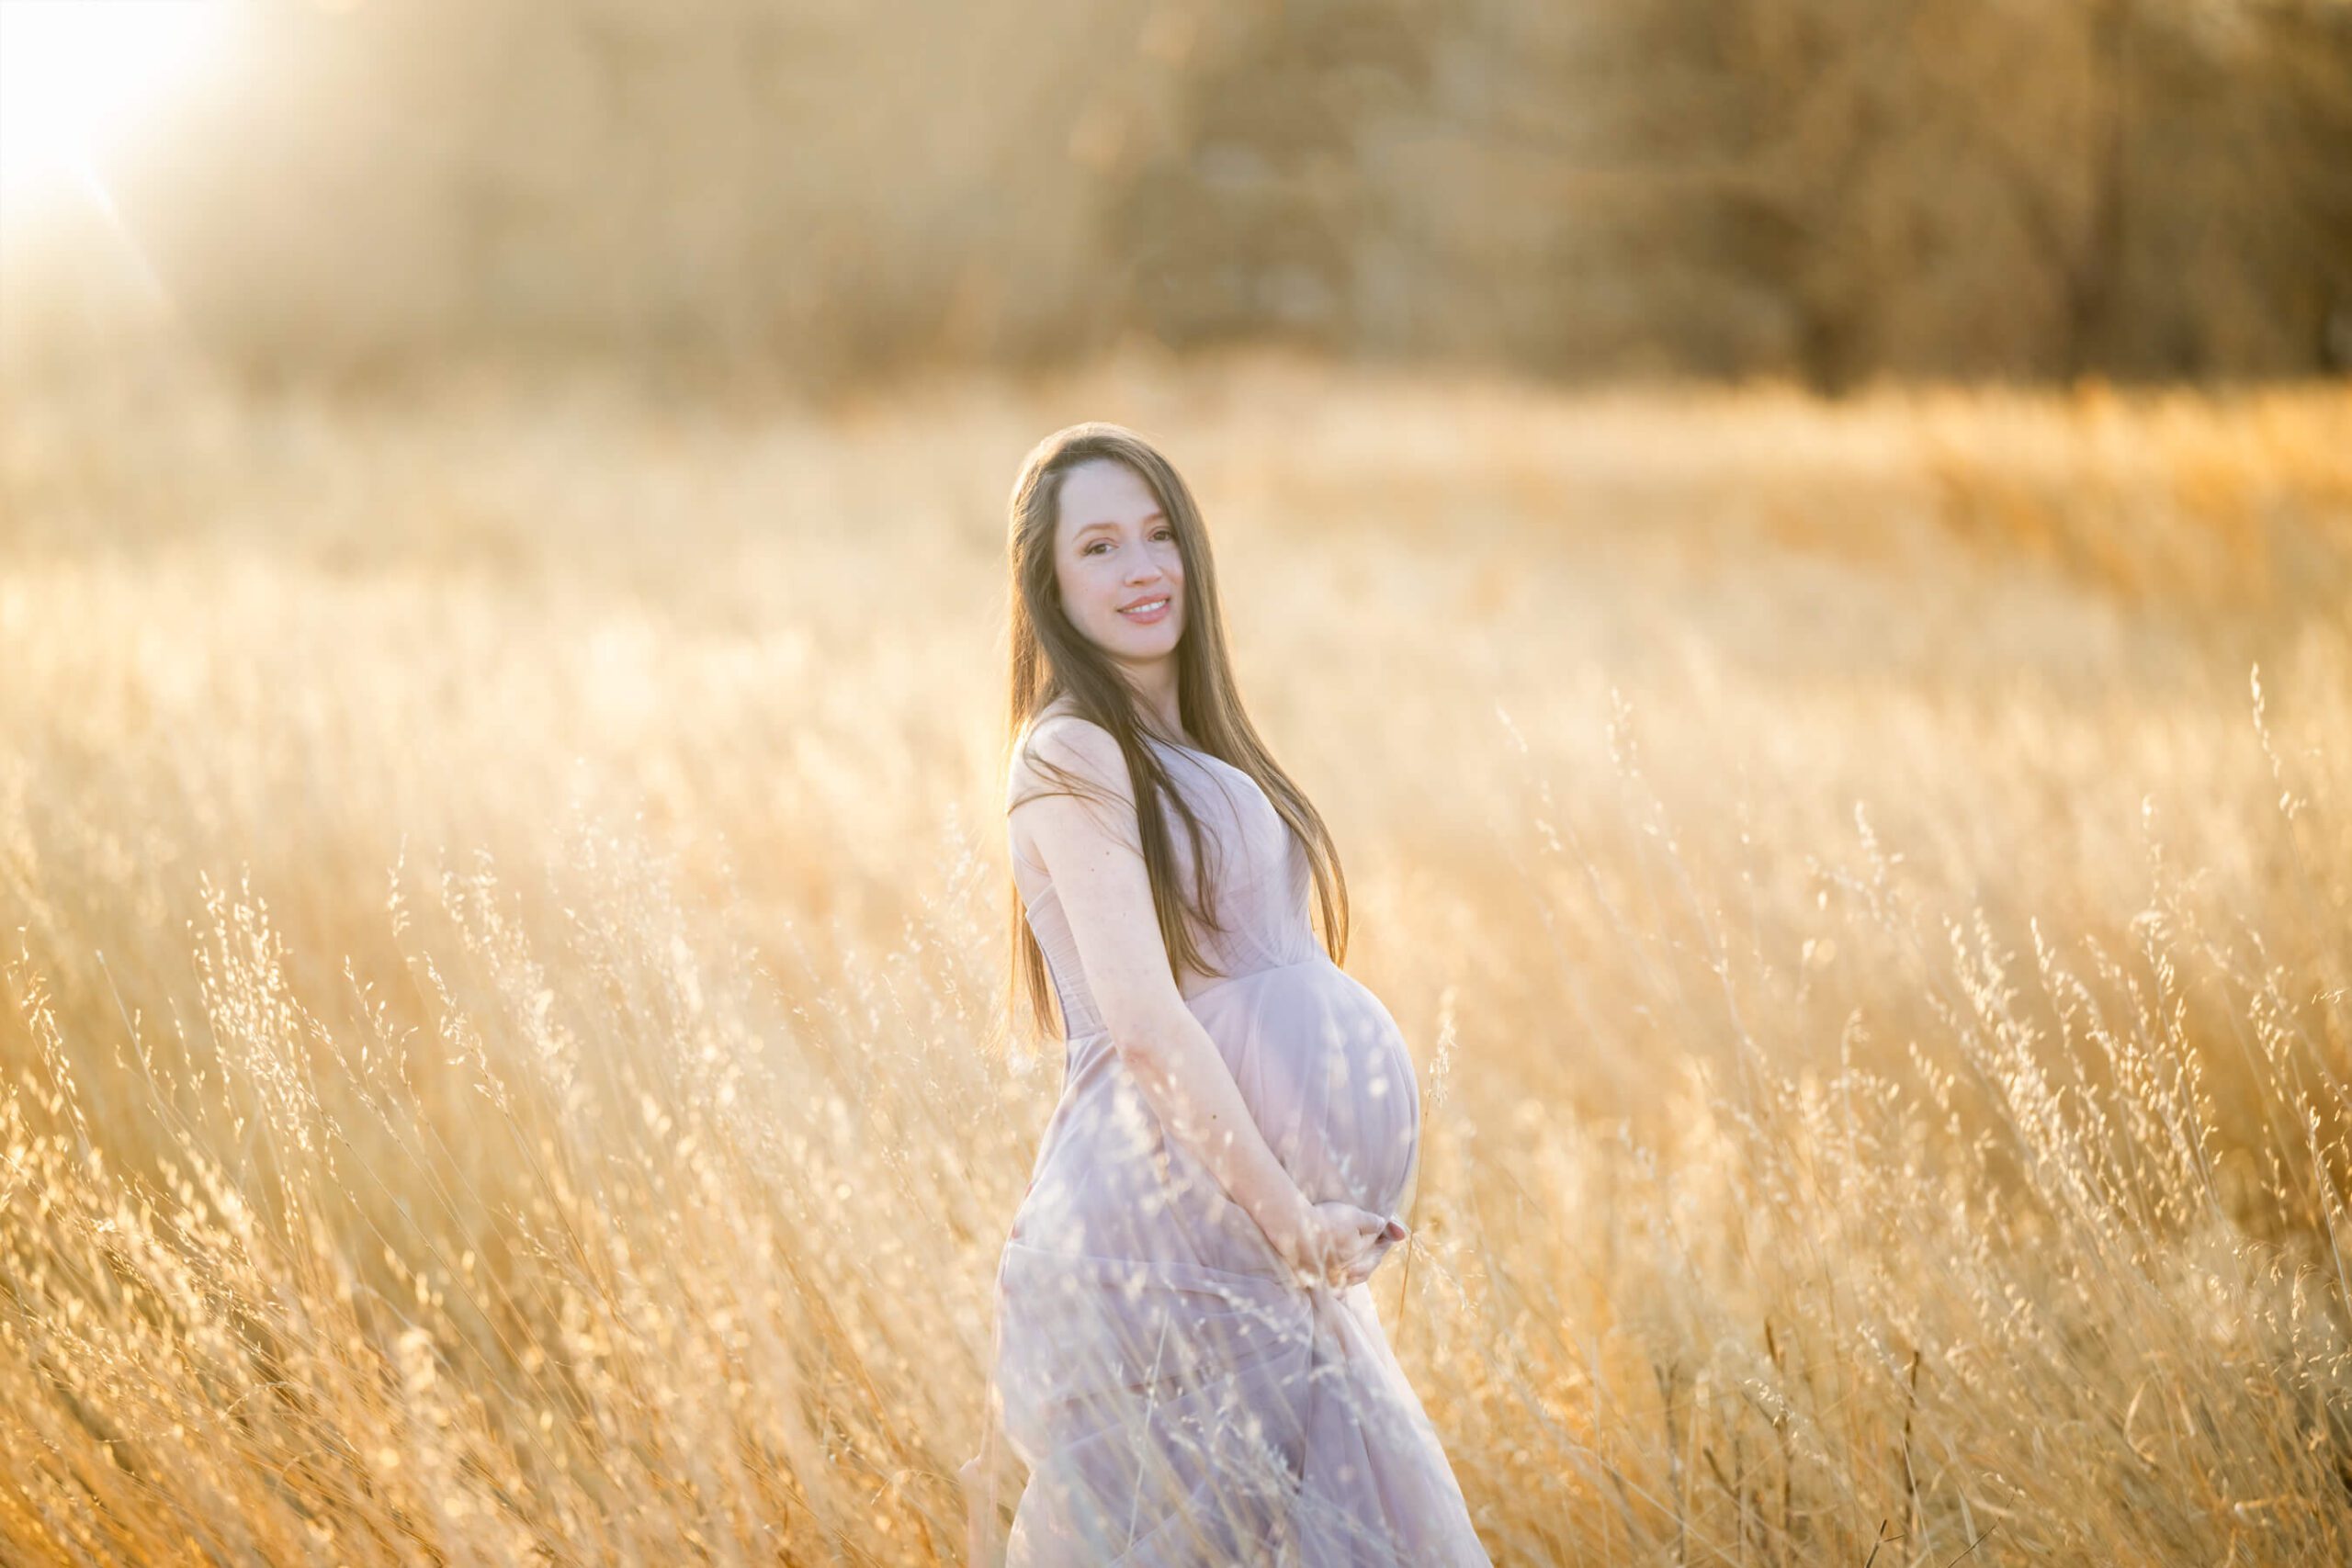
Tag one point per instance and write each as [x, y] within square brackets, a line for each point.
[1352, 1253]
[1362, 1257]
[1379, 1235]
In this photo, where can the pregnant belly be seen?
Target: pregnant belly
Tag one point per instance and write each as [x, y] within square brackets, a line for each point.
[1325, 1072]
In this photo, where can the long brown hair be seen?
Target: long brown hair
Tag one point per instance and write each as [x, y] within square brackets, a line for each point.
[1052, 660]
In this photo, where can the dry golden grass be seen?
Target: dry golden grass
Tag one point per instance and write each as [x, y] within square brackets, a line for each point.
[501, 887]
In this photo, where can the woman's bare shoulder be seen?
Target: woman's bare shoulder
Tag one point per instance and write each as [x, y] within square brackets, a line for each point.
[1068, 743]
[1062, 735]
[1061, 711]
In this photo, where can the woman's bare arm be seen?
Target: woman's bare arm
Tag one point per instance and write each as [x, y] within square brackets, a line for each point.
[1091, 849]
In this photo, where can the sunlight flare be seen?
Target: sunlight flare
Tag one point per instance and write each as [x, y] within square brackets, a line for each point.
[75, 77]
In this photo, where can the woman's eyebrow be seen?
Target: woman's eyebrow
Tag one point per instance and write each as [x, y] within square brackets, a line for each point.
[1153, 516]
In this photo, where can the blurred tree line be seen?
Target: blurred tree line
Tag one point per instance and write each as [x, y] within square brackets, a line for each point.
[1824, 189]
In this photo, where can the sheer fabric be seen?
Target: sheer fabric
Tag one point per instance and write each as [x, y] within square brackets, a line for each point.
[1177, 1397]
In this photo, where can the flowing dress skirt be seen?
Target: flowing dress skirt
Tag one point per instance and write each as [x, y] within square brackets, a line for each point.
[1176, 1396]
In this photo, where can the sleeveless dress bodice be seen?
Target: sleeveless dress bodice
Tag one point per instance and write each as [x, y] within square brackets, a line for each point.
[1321, 1063]
[1177, 1396]
[1262, 897]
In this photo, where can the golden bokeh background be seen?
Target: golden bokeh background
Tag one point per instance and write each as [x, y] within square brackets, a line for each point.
[1802, 548]
[1821, 190]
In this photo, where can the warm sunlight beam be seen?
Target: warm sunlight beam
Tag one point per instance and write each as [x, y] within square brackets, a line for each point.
[74, 76]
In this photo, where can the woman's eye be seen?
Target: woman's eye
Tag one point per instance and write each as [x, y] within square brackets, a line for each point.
[1099, 545]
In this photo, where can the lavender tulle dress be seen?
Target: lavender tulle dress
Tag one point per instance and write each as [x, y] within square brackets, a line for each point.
[1176, 1397]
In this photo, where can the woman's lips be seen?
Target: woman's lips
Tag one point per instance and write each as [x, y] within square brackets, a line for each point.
[1156, 612]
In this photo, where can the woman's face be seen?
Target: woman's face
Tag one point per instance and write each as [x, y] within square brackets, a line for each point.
[1115, 559]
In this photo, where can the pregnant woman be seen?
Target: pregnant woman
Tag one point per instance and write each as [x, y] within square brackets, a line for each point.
[1187, 1361]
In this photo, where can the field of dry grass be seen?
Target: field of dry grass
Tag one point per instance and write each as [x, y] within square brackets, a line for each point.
[500, 883]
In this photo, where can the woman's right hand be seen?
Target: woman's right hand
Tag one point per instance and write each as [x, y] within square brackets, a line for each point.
[1339, 1245]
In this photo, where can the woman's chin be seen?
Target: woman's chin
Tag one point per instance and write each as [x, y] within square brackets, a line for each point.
[1146, 642]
